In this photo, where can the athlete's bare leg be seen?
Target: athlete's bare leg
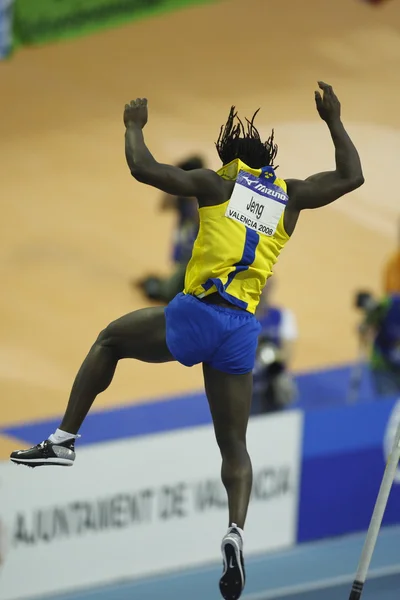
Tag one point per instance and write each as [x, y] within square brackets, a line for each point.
[140, 335]
[229, 397]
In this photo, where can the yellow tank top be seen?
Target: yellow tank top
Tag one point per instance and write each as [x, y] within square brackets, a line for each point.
[240, 240]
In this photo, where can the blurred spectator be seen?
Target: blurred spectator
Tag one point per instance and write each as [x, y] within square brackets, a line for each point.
[6, 31]
[187, 226]
[274, 386]
[391, 281]
[380, 333]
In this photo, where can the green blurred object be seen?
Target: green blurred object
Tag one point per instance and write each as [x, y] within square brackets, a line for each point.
[39, 21]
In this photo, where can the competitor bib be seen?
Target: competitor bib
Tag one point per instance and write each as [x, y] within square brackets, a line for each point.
[256, 203]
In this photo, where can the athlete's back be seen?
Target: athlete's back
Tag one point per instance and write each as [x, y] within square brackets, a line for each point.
[239, 240]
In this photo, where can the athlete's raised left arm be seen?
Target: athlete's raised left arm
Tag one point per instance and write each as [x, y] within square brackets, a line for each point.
[323, 188]
[203, 184]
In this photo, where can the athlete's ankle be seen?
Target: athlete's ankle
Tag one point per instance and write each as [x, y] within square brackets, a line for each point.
[239, 529]
[62, 436]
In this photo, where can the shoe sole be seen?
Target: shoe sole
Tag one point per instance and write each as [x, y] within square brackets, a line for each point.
[39, 462]
[231, 584]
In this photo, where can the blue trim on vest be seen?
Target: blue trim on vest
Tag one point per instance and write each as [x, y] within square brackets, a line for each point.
[224, 294]
[208, 284]
[248, 257]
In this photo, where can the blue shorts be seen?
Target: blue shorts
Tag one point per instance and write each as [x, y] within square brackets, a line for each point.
[222, 337]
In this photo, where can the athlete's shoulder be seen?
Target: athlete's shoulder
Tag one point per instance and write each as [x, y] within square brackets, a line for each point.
[281, 183]
[215, 189]
[292, 185]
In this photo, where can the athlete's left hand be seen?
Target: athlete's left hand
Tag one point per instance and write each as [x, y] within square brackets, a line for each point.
[328, 105]
[136, 113]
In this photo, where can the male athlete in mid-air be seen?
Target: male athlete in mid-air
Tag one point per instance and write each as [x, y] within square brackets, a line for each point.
[246, 217]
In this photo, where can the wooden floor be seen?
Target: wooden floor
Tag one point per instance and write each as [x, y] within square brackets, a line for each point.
[76, 228]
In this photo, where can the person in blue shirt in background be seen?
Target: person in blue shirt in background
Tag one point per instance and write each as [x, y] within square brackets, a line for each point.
[6, 28]
[274, 387]
[380, 333]
[164, 289]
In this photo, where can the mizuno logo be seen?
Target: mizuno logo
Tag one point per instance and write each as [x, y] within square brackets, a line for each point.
[273, 193]
[249, 181]
[259, 187]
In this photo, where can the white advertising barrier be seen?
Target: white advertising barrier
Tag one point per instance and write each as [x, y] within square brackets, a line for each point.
[141, 506]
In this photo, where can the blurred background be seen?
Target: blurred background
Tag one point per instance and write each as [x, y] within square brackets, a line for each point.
[82, 243]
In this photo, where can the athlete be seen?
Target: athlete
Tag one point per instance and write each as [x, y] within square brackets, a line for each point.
[247, 216]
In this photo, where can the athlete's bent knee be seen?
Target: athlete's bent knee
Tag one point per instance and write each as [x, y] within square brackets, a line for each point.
[107, 338]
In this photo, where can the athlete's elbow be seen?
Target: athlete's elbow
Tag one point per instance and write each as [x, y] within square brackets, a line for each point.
[139, 173]
[135, 170]
[357, 181]
[136, 173]
[354, 182]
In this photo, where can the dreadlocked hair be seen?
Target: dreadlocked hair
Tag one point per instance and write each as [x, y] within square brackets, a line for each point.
[236, 141]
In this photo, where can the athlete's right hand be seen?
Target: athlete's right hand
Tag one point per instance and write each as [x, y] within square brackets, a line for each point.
[328, 105]
[136, 113]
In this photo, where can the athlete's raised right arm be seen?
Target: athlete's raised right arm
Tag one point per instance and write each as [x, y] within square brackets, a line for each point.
[323, 188]
[203, 184]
